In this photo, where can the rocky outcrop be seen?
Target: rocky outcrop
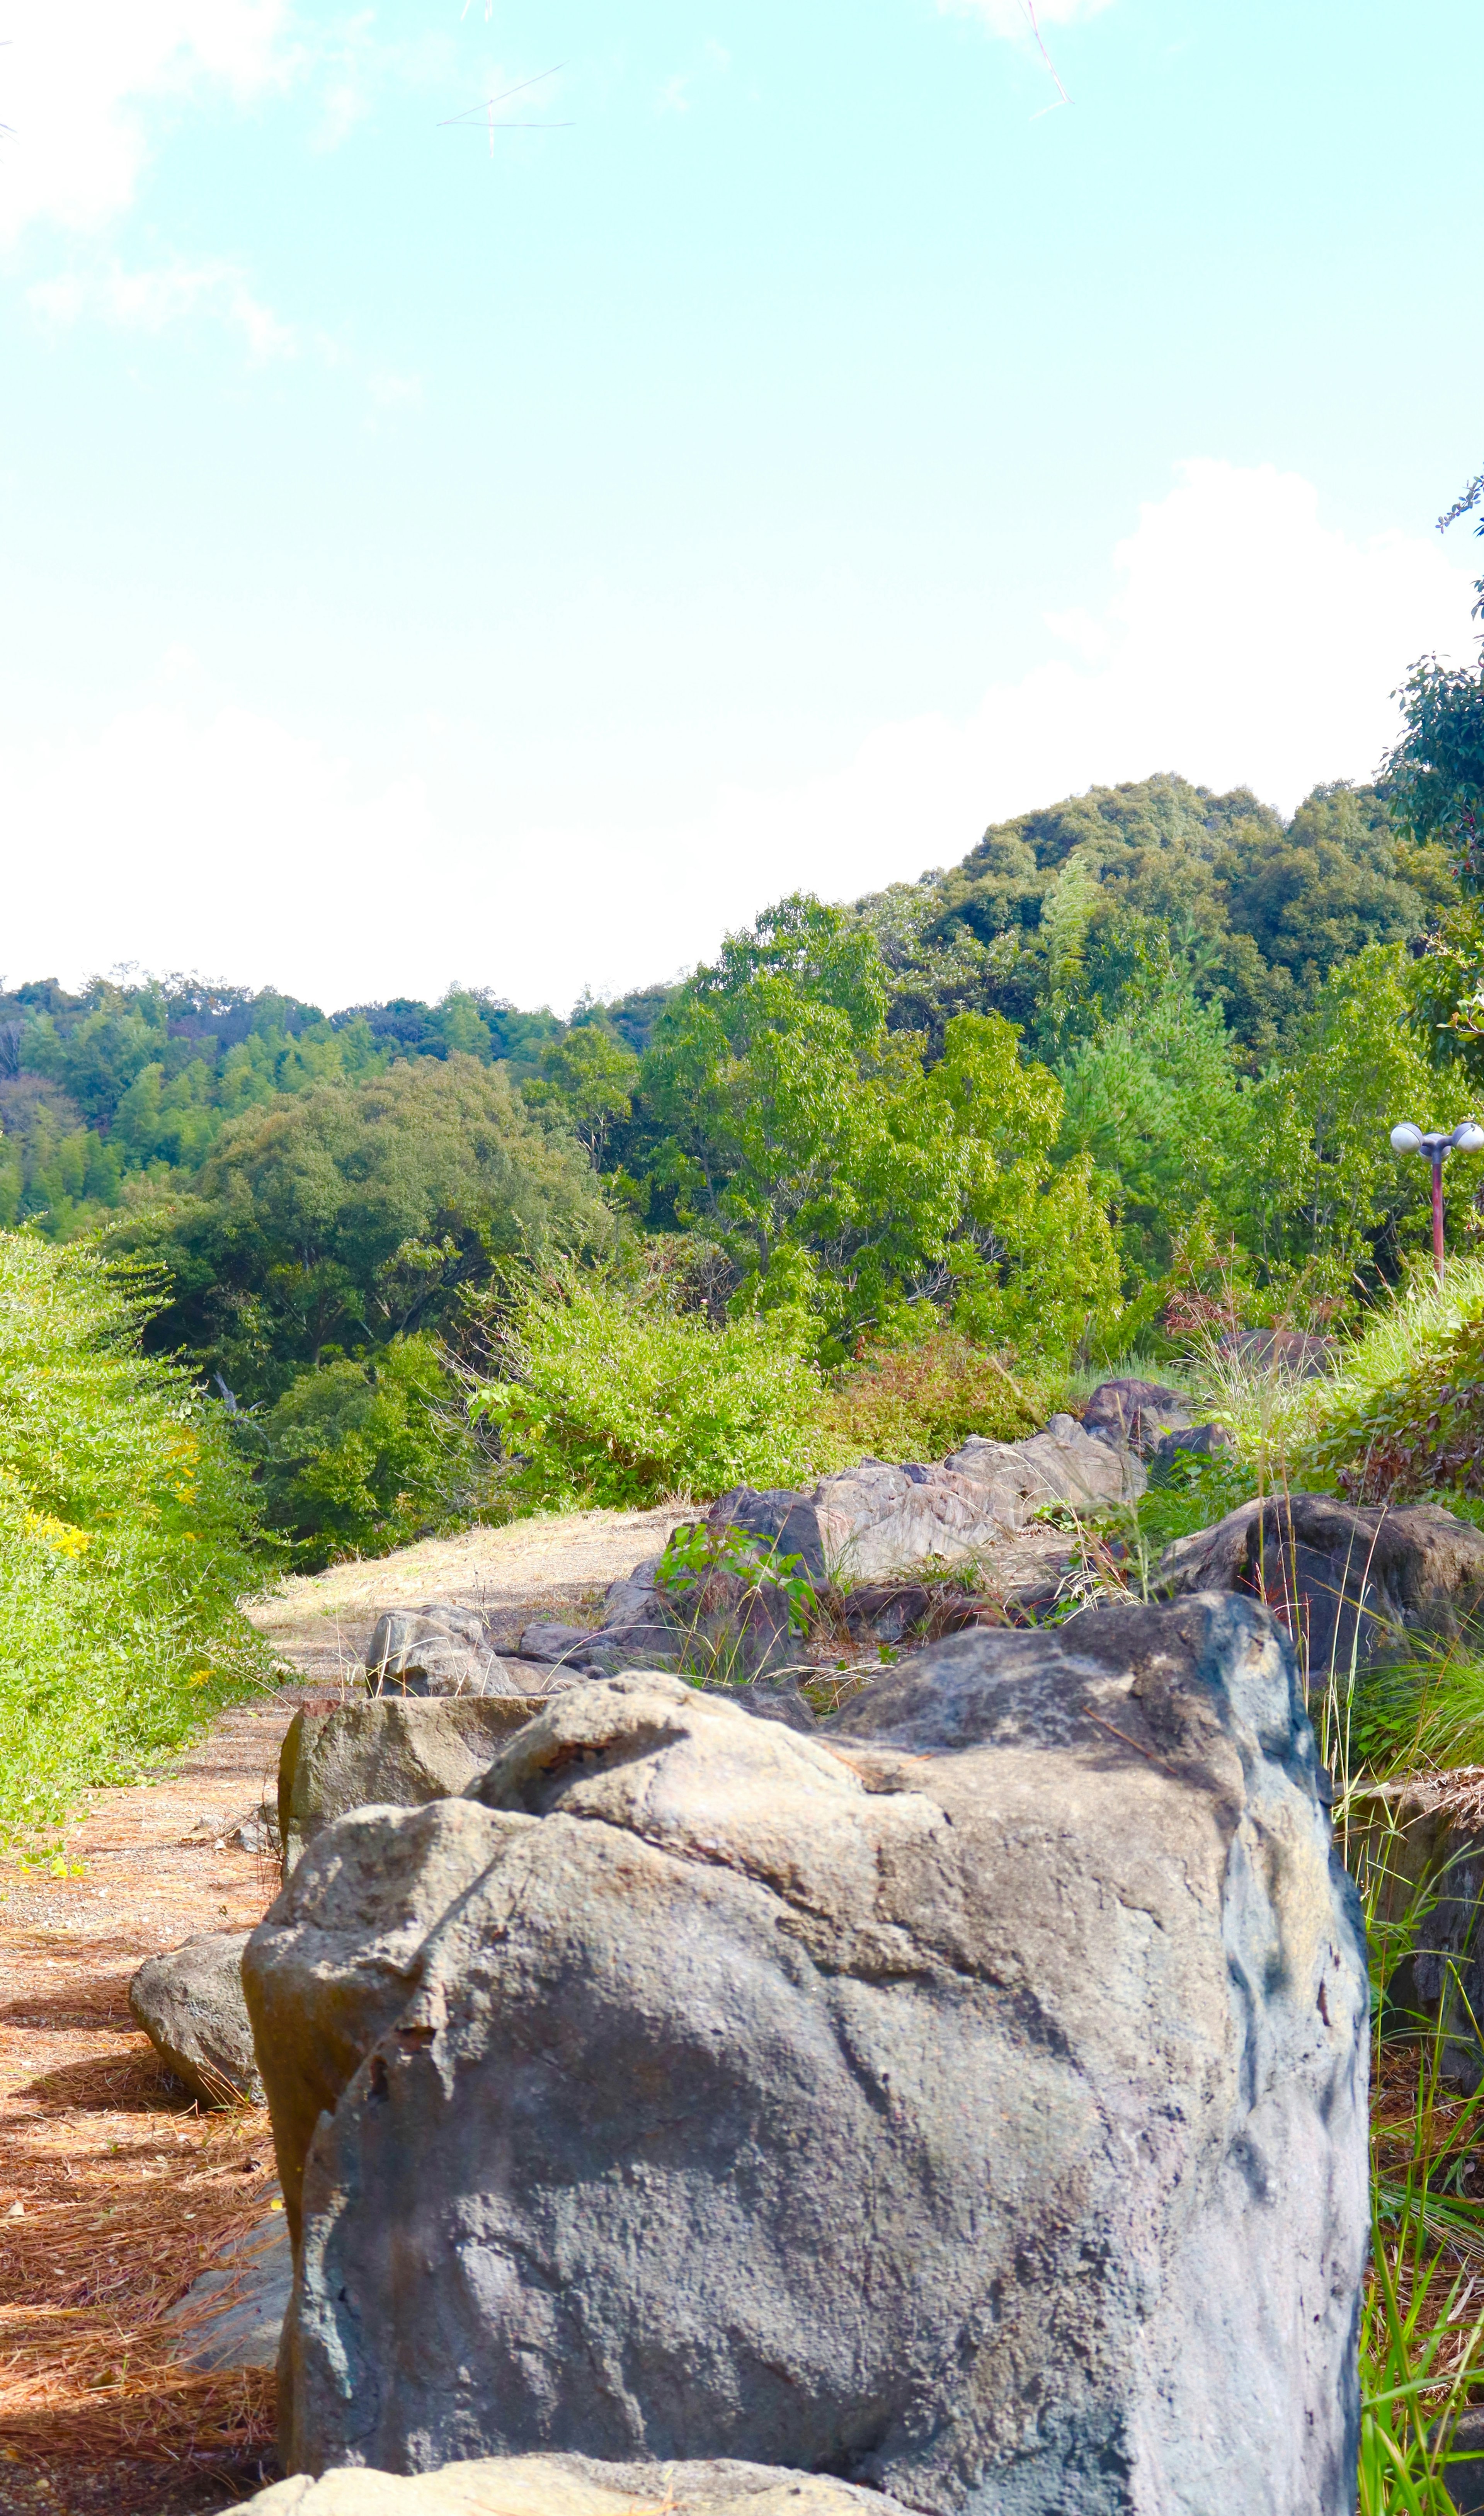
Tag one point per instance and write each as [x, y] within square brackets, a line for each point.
[401, 1753]
[968, 2102]
[189, 2004]
[861, 1527]
[572, 2485]
[437, 1649]
[1351, 1585]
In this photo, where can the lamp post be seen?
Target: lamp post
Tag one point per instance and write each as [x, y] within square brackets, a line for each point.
[1467, 1137]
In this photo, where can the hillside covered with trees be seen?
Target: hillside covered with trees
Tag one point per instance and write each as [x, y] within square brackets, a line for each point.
[1135, 1059]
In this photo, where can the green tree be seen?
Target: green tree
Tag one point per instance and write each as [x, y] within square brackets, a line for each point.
[842, 1172]
[355, 1213]
[358, 1457]
[589, 1078]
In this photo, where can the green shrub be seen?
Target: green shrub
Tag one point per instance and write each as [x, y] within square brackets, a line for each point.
[915, 1401]
[358, 1457]
[612, 1398]
[125, 1523]
[613, 1395]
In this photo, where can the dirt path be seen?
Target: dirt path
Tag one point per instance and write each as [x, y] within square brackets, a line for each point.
[556, 1568]
[115, 2191]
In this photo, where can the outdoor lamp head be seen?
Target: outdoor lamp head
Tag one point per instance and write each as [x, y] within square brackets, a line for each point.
[1469, 1137]
[1406, 1139]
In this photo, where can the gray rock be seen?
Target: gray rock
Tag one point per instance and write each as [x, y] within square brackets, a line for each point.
[232, 2315]
[1350, 1583]
[437, 1649]
[1201, 1441]
[782, 1523]
[573, 2485]
[392, 1751]
[189, 2004]
[554, 1644]
[259, 1831]
[1419, 1845]
[1133, 1415]
[969, 2101]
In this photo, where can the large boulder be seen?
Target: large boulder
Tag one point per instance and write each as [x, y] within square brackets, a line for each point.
[190, 2003]
[400, 1751]
[573, 2485]
[869, 1522]
[970, 2101]
[1349, 1583]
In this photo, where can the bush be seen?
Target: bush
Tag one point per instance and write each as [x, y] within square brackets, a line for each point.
[362, 1457]
[615, 1396]
[612, 1398]
[125, 1524]
[915, 1401]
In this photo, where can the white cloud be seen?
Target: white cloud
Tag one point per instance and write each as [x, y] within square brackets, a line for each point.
[1246, 643]
[147, 300]
[76, 75]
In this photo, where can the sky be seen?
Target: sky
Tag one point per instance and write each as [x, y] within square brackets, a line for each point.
[792, 438]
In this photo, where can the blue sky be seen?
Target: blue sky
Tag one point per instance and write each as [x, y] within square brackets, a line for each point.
[431, 557]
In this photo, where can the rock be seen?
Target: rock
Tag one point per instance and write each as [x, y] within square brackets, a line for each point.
[968, 2101]
[1465, 2480]
[1282, 1351]
[1201, 1441]
[232, 2315]
[189, 2004]
[392, 1751]
[887, 1611]
[782, 1523]
[1350, 1582]
[1132, 1414]
[259, 1831]
[1419, 1845]
[554, 1645]
[437, 1649]
[572, 2485]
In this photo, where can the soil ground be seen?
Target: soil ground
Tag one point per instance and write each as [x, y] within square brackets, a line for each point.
[115, 2190]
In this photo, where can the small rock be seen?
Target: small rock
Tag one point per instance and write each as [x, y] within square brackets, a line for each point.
[232, 2315]
[1201, 1441]
[190, 2003]
[573, 2485]
[1132, 1414]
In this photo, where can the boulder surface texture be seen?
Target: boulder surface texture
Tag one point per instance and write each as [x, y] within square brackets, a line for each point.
[437, 1649]
[572, 2485]
[967, 2102]
[1349, 1583]
[189, 2004]
[399, 1750]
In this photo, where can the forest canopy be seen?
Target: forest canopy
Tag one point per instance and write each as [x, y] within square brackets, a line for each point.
[1137, 1041]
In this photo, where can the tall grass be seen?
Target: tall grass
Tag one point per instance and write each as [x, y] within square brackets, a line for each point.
[125, 1536]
